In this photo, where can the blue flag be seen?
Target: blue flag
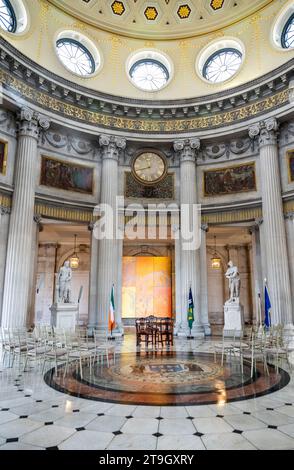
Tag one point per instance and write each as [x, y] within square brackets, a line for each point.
[190, 309]
[267, 308]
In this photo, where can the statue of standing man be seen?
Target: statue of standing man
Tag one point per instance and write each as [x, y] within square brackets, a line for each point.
[234, 281]
[64, 283]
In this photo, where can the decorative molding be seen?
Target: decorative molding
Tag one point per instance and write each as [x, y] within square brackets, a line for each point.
[7, 122]
[241, 215]
[162, 190]
[30, 123]
[23, 78]
[266, 130]
[70, 143]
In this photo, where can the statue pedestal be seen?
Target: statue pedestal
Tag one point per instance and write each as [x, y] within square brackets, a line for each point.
[64, 316]
[234, 317]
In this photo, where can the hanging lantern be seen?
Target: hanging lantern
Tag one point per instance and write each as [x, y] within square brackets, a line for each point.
[215, 260]
[74, 259]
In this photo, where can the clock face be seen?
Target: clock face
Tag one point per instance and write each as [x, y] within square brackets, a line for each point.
[149, 168]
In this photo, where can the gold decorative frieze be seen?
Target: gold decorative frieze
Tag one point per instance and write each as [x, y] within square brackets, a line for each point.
[3, 156]
[240, 215]
[290, 158]
[143, 125]
[64, 213]
[5, 201]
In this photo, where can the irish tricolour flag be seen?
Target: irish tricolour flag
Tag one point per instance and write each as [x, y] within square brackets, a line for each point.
[111, 320]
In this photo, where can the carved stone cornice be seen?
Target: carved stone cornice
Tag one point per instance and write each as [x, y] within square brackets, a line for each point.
[111, 146]
[187, 149]
[30, 123]
[26, 79]
[266, 130]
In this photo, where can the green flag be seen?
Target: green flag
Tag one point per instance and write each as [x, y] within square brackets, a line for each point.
[190, 309]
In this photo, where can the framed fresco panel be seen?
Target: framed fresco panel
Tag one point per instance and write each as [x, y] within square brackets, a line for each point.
[229, 180]
[3, 156]
[67, 176]
[290, 155]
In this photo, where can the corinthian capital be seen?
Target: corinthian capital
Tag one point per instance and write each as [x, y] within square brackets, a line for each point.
[111, 145]
[30, 122]
[267, 131]
[187, 148]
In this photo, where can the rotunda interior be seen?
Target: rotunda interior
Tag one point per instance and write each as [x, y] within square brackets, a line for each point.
[146, 206]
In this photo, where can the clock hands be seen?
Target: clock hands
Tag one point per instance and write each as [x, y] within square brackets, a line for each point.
[144, 168]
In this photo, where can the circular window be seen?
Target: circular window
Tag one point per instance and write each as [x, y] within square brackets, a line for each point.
[222, 65]
[7, 17]
[149, 74]
[287, 36]
[75, 57]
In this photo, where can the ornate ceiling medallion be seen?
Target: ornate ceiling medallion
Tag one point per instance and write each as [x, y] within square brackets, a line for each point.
[118, 8]
[151, 13]
[184, 11]
[216, 4]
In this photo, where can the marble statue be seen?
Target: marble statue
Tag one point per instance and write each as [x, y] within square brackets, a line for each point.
[64, 283]
[233, 276]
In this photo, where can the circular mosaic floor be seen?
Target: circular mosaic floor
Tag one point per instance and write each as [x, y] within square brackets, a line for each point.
[168, 378]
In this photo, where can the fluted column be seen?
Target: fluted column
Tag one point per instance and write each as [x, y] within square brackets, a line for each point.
[189, 257]
[256, 268]
[204, 281]
[290, 245]
[19, 249]
[273, 221]
[4, 227]
[37, 228]
[108, 248]
[92, 316]
[178, 297]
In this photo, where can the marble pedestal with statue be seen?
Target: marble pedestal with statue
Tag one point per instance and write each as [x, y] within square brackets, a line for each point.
[234, 317]
[64, 316]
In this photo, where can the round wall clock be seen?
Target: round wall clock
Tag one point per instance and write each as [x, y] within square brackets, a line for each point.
[149, 167]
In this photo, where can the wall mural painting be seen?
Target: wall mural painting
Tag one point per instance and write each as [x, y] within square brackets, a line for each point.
[3, 157]
[234, 179]
[146, 287]
[291, 165]
[63, 175]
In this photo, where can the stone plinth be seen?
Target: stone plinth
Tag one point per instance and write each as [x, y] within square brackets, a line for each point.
[234, 317]
[64, 316]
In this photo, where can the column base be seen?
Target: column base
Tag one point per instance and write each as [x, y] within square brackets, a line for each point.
[197, 331]
[118, 331]
[207, 329]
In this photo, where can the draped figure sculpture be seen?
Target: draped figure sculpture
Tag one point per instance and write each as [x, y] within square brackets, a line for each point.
[64, 283]
[233, 276]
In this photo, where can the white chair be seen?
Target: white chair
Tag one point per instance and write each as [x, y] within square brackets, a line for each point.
[103, 346]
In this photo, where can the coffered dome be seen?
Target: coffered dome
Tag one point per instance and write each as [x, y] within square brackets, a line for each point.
[161, 19]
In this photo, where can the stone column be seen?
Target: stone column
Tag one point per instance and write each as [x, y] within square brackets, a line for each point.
[273, 221]
[4, 227]
[189, 257]
[179, 320]
[37, 228]
[19, 249]
[256, 262]
[204, 281]
[92, 316]
[290, 244]
[108, 248]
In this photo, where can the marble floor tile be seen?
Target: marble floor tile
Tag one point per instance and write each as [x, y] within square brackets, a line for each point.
[147, 412]
[121, 410]
[176, 426]
[48, 436]
[6, 416]
[287, 429]
[244, 422]
[226, 441]
[18, 428]
[269, 439]
[87, 440]
[133, 442]
[107, 423]
[20, 446]
[76, 420]
[202, 411]
[173, 412]
[273, 418]
[51, 414]
[211, 425]
[96, 407]
[140, 426]
[224, 410]
[286, 410]
[180, 443]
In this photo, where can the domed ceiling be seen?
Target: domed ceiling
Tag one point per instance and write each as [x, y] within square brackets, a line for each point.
[160, 19]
